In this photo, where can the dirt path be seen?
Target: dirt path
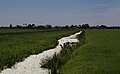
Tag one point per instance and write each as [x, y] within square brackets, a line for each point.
[31, 65]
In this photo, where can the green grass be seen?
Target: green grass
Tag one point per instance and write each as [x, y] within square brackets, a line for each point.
[16, 44]
[99, 55]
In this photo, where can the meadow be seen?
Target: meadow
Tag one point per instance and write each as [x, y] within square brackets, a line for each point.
[99, 55]
[17, 44]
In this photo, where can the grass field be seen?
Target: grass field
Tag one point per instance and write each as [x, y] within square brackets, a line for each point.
[99, 55]
[16, 44]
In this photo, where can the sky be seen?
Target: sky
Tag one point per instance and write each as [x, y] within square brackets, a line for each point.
[60, 12]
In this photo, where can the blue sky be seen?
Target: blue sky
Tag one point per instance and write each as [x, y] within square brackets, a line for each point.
[59, 12]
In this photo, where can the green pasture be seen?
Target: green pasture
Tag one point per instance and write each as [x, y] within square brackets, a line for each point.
[99, 55]
[17, 44]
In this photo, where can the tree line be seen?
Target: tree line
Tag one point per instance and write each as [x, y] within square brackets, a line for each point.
[48, 26]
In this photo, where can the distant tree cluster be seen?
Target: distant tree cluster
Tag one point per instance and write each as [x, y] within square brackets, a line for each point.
[104, 27]
[29, 26]
[48, 26]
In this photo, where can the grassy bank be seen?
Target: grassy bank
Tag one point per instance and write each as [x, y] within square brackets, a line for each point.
[16, 44]
[100, 55]
[54, 63]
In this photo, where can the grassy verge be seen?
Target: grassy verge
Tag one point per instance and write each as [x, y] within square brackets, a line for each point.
[14, 46]
[55, 63]
[100, 55]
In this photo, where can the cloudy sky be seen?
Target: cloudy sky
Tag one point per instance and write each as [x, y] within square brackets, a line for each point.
[60, 12]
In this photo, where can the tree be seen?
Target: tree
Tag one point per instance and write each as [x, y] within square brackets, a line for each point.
[85, 26]
[66, 27]
[103, 26]
[11, 26]
[57, 27]
[18, 26]
[29, 26]
[48, 26]
[79, 26]
[33, 25]
[72, 26]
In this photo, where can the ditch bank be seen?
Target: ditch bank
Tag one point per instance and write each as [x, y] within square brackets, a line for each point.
[32, 64]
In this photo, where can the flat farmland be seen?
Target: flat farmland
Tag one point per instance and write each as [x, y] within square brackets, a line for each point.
[99, 55]
[17, 44]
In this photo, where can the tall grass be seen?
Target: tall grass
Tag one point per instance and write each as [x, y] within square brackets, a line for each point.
[54, 63]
